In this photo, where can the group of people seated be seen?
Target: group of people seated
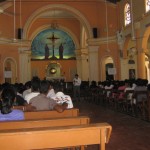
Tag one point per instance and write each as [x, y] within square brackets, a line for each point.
[120, 89]
[35, 95]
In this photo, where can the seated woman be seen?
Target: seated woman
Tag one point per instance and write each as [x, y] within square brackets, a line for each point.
[60, 98]
[7, 112]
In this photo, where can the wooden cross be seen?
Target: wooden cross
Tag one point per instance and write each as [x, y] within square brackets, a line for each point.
[53, 39]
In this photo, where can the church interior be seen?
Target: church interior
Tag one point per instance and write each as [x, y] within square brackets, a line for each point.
[112, 36]
[100, 40]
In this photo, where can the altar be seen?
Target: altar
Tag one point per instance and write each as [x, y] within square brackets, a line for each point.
[54, 72]
[55, 78]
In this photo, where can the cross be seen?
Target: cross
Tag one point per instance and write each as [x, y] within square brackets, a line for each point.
[53, 39]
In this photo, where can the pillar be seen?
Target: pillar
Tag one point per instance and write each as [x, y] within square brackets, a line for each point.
[141, 72]
[25, 64]
[141, 65]
[82, 64]
[93, 63]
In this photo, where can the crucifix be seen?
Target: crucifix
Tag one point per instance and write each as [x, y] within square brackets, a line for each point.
[53, 39]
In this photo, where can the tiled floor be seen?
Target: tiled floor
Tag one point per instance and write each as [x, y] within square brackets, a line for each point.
[128, 133]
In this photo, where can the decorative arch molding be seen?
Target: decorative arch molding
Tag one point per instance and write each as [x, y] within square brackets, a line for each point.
[145, 39]
[11, 58]
[14, 69]
[105, 57]
[102, 66]
[74, 11]
[60, 27]
[126, 46]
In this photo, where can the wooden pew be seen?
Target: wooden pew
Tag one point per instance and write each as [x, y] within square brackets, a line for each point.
[53, 137]
[69, 121]
[51, 114]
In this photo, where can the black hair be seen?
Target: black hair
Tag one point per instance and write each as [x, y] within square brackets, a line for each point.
[35, 84]
[8, 96]
[44, 87]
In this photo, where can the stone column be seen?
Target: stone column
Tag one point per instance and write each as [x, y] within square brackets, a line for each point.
[25, 64]
[141, 55]
[85, 65]
[93, 63]
[82, 64]
[141, 65]
[78, 59]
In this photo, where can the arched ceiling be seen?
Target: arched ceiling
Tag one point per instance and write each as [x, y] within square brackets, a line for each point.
[56, 14]
[113, 1]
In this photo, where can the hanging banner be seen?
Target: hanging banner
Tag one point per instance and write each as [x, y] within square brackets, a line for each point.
[111, 71]
[8, 74]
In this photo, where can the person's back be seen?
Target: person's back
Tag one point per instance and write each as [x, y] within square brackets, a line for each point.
[27, 89]
[7, 112]
[35, 87]
[60, 97]
[141, 87]
[51, 92]
[42, 102]
[76, 87]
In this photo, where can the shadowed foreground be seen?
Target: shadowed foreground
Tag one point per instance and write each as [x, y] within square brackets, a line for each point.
[128, 133]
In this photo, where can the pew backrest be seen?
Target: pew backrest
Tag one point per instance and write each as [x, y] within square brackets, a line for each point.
[69, 121]
[51, 114]
[55, 137]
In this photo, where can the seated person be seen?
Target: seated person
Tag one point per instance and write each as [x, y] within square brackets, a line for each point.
[42, 102]
[141, 87]
[27, 89]
[60, 98]
[7, 111]
[20, 103]
[19, 100]
[35, 89]
[51, 92]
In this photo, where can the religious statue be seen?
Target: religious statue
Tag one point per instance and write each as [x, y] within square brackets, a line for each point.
[61, 49]
[120, 39]
[53, 39]
[46, 52]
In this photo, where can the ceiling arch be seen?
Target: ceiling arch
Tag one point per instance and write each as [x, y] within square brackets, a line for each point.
[75, 13]
[60, 27]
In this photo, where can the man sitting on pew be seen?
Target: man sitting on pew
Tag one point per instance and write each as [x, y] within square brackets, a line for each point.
[41, 102]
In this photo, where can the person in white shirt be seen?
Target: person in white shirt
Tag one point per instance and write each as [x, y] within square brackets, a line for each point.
[28, 89]
[60, 98]
[76, 87]
[51, 92]
[35, 86]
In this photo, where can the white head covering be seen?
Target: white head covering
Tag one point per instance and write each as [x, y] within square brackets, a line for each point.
[61, 98]
[59, 94]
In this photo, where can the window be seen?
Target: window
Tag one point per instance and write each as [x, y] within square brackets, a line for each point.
[147, 5]
[127, 14]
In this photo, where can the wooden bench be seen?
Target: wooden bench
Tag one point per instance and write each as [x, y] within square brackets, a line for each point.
[54, 137]
[51, 114]
[44, 123]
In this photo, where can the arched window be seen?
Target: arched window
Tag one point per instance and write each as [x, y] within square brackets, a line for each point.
[127, 14]
[147, 5]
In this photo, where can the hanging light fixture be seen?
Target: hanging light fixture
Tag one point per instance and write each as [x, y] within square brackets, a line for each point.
[14, 19]
[54, 24]
[107, 49]
[132, 23]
